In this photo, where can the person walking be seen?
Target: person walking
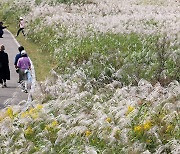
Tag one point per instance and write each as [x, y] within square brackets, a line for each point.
[21, 48]
[1, 29]
[21, 26]
[4, 67]
[24, 66]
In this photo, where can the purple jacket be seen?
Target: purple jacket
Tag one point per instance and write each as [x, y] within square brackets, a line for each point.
[24, 63]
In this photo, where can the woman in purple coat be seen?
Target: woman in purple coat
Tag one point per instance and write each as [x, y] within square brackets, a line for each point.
[24, 66]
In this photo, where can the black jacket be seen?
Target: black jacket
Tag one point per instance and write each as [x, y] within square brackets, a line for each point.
[1, 29]
[4, 66]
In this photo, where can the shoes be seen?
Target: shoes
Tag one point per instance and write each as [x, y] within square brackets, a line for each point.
[5, 86]
[1, 37]
[25, 91]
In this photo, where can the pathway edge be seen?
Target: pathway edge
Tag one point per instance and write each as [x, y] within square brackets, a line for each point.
[32, 70]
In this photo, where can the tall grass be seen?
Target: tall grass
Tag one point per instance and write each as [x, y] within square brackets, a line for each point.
[124, 57]
[96, 100]
[127, 58]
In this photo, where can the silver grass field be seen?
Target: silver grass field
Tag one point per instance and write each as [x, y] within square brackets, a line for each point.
[116, 86]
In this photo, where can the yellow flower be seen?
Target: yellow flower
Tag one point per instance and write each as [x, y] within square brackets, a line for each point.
[34, 116]
[9, 112]
[39, 107]
[54, 123]
[148, 141]
[47, 127]
[51, 126]
[138, 128]
[169, 128]
[87, 133]
[129, 110]
[24, 114]
[28, 131]
[31, 111]
[108, 120]
[147, 125]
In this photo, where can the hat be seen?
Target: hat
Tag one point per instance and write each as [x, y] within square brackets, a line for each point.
[23, 52]
[21, 18]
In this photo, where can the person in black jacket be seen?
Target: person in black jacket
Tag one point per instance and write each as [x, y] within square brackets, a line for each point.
[1, 29]
[21, 48]
[4, 67]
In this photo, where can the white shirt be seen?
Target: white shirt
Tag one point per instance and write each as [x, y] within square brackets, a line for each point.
[21, 24]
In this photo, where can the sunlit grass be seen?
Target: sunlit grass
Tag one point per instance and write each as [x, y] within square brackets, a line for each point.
[96, 100]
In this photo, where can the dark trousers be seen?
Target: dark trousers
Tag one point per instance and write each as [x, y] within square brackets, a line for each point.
[20, 29]
[1, 33]
[2, 81]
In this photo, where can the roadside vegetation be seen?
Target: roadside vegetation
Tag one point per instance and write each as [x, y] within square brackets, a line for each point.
[112, 77]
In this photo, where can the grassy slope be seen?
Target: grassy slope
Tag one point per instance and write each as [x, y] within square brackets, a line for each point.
[117, 52]
[77, 54]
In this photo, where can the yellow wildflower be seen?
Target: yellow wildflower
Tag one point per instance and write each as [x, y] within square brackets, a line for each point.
[28, 131]
[138, 129]
[54, 123]
[39, 107]
[47, 127]
[87, 133]
[51, 126]
[9, 112]
[129, 110]
[148, 141]
[31, 111]
[169, 128]
[24, 114]
[108, 120]
[147, 125]
[34, 116]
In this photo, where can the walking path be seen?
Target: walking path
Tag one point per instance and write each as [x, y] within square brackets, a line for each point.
[12, 94]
